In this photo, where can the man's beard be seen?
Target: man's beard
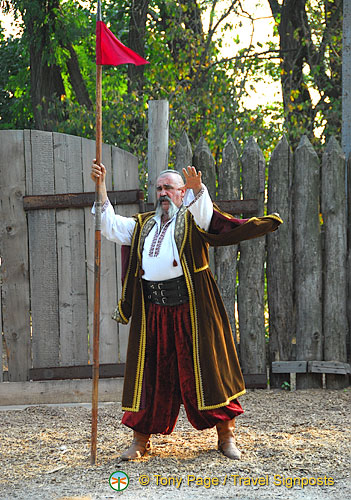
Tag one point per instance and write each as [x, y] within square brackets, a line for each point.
[172, 210]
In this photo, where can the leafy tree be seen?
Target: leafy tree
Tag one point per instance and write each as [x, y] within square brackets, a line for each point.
[48, 40]
[204, 90]
[310, 36]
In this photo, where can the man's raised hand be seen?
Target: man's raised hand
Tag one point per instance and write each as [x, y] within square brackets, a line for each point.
[192, 179]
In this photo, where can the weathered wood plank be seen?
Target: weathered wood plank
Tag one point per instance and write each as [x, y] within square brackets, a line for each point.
[157, 155]
[43, 256]
[125, 176]
[15, 301]
[289, 367]
[71, 254]
[349, 254]
[333, 208]
[308, 261]
[58, 391]
[204, 161]
[1, 330]
[255, 380]
[183, 153]
[226, 257]
[88, 154]
[280, 258]
[80, 200]
[251, 272]
[76, 372]
[331, 367]
[108, 327]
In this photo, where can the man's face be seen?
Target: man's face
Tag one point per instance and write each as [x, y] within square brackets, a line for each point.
[170, 185]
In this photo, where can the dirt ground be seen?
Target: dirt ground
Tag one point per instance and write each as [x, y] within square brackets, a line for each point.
[295, 445]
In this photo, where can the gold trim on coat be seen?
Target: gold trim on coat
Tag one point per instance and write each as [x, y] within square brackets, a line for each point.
[141, 358]
[194, 331]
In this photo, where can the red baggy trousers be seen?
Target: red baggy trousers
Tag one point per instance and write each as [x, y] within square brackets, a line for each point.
[169, 376]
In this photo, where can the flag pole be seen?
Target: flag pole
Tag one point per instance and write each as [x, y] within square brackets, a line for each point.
[97, 259]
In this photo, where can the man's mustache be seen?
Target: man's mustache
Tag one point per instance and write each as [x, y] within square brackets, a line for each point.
[161, 199]
[164, 198]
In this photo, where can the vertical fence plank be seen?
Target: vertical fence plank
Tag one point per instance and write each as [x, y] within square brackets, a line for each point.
[204, 161]
[14, 255]
[157, 155]
[251, 271]
[280, 256]
[308, 262]
[349, 254]
[183, 152]
[226, 257]
[88, 154]
[333, 206]
[108, 327]
[71, 253]
[125, 176]
[1, 330]
[43, 256]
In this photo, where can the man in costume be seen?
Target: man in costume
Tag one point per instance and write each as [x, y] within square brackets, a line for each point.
[180, 347]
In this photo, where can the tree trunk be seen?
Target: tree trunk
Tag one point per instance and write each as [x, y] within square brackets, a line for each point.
[46, 89]
[296, 96]
[76, 79]
[137, 27]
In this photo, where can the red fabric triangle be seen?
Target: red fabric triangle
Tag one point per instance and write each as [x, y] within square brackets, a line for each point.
[110, 51]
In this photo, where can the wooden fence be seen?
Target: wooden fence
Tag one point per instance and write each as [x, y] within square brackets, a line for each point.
[47, 252]
[46, 232]
[305, 261]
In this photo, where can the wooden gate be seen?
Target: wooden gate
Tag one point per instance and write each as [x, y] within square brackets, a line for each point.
[47, 253]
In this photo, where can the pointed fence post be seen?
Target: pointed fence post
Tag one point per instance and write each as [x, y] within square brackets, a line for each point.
[280, 256]
[183, 153]
[226, 257]
[203, 160]
[251, 270]
[333, 206]
[308, 262]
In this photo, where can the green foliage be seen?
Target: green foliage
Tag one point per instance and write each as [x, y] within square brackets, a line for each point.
[15, 102]
[205, 92]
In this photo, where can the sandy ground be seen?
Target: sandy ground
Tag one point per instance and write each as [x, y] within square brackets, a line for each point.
[295, 445]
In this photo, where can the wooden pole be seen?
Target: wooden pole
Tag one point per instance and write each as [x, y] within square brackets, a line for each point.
[97, 260]
[157, 155]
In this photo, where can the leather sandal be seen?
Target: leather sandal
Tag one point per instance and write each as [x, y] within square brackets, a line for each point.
[140, 445]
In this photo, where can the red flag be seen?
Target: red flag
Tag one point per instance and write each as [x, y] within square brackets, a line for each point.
[110, 51]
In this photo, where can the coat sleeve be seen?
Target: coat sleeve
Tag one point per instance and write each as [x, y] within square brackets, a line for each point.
[227, 230]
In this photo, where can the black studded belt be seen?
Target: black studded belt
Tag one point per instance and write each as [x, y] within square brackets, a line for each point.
[171, 292]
